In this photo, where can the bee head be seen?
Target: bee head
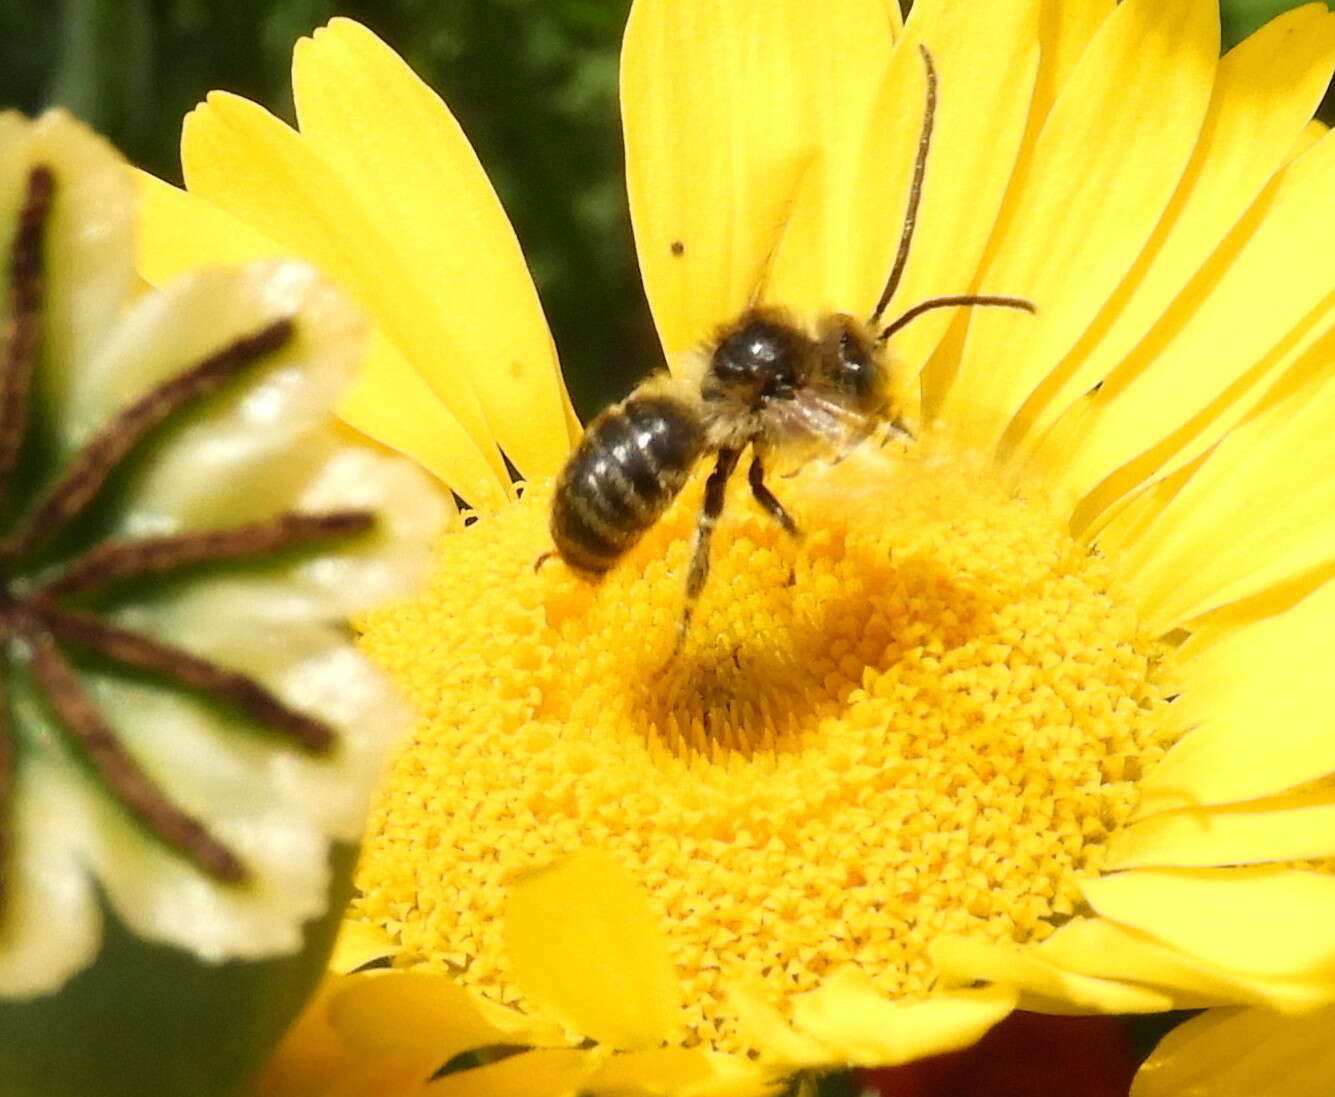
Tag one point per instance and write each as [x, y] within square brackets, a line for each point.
[851, 364]
[760, 358]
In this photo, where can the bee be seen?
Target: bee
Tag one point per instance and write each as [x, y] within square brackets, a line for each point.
[763, 384]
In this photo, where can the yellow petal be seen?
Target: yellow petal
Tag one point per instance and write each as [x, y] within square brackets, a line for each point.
[793, 271]
[1224, 622]
[1285, 828]
[313, 1060]
[681, 1072]
[723, 103]
[1253, 516]
[1259, 701]
[896, 16]
[1301, 356]
[238, 156]
[1081, 218]
[1265, 92]
[411, 1012]
[558, 1073]
[1312, 133]
[1098, 947]
[1044, 986]
[1253, 1053]
[1065, 31]
[390, 402]
[402, 154]
[986, 58]
[762, 1026]
[859, 1025]
[1202, 368]
[179, 231]
[1119, 529]
[1263, 919]
[582, 940]
[359, 943]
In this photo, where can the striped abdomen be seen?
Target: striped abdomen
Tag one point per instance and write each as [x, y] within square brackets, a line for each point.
[630, 464]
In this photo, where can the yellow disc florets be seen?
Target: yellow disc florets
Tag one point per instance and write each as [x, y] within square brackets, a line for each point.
[925, 716]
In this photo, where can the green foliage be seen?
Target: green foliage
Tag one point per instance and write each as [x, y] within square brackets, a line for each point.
[1241, 17]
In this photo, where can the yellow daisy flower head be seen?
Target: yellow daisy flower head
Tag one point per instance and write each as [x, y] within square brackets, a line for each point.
[1032, 711]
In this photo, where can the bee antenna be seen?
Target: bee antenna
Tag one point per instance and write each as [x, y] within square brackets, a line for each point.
[952, 302]
[915, 191]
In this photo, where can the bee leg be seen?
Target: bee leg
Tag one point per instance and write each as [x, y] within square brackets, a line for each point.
[537, 564]
[766, 498]
[899, 429]
[704, 530]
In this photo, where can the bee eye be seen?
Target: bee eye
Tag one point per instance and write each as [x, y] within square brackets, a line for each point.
[851, 366]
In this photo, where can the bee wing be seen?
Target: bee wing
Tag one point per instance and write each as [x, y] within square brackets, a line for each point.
[812, 425]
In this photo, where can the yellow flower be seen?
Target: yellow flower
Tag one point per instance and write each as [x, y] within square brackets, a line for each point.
[1035, 711]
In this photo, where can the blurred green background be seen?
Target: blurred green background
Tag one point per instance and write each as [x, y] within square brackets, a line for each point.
[532, 81]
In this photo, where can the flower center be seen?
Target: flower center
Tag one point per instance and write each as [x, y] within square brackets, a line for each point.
[925, 716]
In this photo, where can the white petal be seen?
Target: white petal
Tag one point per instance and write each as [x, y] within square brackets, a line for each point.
[50, 926]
